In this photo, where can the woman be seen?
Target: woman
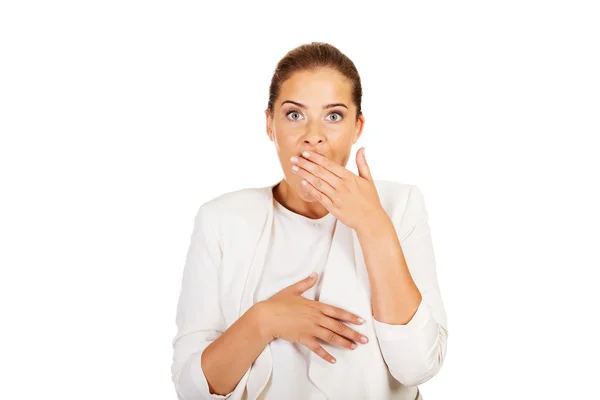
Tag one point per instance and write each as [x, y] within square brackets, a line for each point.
[281, 283]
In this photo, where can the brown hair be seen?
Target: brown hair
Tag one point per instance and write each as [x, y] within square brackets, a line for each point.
[312, 56]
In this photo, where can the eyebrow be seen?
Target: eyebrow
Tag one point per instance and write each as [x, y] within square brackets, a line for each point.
[325, 107]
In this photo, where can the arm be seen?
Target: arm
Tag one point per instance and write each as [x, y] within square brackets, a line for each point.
[210, 361]
[226, 360]
[409, 316]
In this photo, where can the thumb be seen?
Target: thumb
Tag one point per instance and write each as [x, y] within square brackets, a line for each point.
[305, 284]
[361, 163]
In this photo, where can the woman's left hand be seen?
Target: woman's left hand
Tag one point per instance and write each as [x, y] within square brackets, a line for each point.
[350, 198]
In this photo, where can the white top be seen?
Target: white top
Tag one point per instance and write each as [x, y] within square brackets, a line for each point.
[298, 246]
[245, 247]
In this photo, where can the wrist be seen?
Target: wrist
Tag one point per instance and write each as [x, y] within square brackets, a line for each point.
[377, 223]
[259, 316]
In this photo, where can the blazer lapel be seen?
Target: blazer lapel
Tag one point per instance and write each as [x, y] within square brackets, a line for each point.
[262, 366]
[345, 284]
[341, 287]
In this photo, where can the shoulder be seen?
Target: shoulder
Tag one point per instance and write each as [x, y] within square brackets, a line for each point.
[248, 204]
[402, 201]
[240, 199]
[392, 191]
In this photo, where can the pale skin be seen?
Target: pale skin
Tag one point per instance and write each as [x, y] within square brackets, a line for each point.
[317, 140]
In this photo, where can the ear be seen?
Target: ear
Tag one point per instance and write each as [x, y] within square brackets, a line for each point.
[269, 122]
[360, 123]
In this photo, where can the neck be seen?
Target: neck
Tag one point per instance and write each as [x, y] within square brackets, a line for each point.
[290, 199]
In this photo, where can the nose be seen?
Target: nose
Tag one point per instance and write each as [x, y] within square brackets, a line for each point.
[314, 137]
[313, 141]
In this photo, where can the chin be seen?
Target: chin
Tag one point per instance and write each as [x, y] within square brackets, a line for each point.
[307, 197]
[304, 194]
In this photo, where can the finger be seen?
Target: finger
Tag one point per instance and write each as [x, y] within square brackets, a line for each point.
[333, 338]
[332, 332]
[313, 345]
[363, 168]
[320, 196]
[316, 170]
[328, 164]
[318, 183]
[305, 284]
[339, 313]
[337, 326]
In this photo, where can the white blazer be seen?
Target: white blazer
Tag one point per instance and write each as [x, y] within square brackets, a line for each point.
[221, 273]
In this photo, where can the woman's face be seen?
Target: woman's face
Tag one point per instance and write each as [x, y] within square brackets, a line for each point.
[303, 119]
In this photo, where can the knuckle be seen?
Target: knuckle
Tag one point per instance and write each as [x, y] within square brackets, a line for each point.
[320, 351]
[340, 327]
[331, 336]
[314, 346]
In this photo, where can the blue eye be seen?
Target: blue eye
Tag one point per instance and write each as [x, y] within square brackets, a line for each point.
[297, 112]
[340, 116]
[292, 111]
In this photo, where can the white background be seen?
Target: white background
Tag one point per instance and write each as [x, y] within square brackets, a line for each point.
[118, 119]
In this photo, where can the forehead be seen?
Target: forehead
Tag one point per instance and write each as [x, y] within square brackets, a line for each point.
[323, 85]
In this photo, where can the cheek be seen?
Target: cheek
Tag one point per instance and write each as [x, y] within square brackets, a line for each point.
[344, 160]
[342, 153]
[285, 145]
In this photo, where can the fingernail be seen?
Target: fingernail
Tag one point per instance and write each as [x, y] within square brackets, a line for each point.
[306, 154]
[353, 345]
[313, 275]
[364, 339]
[361, 320]
[333, 360]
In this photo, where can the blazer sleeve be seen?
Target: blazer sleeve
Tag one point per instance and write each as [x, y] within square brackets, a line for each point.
[415, 352]
[199, 317]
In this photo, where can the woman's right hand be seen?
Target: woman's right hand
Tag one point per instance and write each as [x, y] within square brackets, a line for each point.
[290, 316]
